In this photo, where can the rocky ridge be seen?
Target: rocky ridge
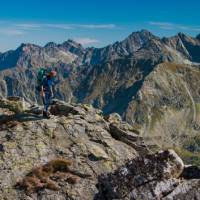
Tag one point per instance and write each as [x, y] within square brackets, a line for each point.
[104, 152]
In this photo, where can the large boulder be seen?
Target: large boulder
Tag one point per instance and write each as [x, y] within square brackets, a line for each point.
[154, 176]
[14, 104]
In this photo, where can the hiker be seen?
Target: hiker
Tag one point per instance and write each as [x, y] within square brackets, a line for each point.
[47, 91]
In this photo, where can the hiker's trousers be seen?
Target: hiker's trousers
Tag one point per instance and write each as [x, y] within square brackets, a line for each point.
[47, 100]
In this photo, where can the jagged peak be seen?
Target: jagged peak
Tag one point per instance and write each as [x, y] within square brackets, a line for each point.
[143, 33]
[173, 39]
[28, 45]
[198, 37]
[25, 46]
[71, 42]
[136, 40]
[141, 37]
[153, 44]
[183, 36]
[50, 44]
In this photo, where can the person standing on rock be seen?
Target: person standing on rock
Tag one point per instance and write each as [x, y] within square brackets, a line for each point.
[47, 91]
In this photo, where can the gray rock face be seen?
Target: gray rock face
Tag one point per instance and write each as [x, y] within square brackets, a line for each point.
[192, 46]
[121, 49]
[153, 176]
[76, 132]
[29, 55]
[166, 108]
[35, 154]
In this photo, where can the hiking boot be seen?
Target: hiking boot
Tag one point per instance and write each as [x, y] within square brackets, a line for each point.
[46, 115]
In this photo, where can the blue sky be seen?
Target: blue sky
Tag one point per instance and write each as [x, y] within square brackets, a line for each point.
[92, 22]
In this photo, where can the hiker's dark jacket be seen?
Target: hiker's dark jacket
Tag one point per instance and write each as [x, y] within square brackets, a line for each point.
[47, 84]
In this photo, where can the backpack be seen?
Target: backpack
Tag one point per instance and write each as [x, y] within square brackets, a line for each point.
[41, 75]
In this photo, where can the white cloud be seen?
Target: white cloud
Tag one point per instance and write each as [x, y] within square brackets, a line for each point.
[161, 23]
[58, 26]
[11, 32]
[86, 41]
[172, 26]
[28, 26]
[97, 26]
[84, 26]
[196, 29]
[31, 26]
[167, 27]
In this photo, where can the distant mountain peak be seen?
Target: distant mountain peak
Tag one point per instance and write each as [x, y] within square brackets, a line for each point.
[136, 44]
[137, 39]
[183, 36]
[145, 31]
[27, 46]
[50, 45]
[142, 32]
[71, 43]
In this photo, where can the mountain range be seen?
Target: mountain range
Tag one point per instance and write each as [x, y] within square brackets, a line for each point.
[180, 48]
[152, 82]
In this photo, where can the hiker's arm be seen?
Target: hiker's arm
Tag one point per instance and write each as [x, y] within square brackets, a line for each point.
[53, 88]
[52, 93]
[42, 91]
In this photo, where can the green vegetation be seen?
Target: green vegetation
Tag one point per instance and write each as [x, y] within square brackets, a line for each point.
[156, 116]
[188, 157]
[192, 144]
[198, 107]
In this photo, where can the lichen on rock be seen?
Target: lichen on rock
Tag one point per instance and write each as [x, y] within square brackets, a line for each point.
[36, 153]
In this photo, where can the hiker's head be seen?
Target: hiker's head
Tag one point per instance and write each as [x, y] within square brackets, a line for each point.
[52, 73]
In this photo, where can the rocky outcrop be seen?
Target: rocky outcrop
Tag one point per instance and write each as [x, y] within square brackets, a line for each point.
[153, 176]
[14, 104]
[77, 149]
[75, 132]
